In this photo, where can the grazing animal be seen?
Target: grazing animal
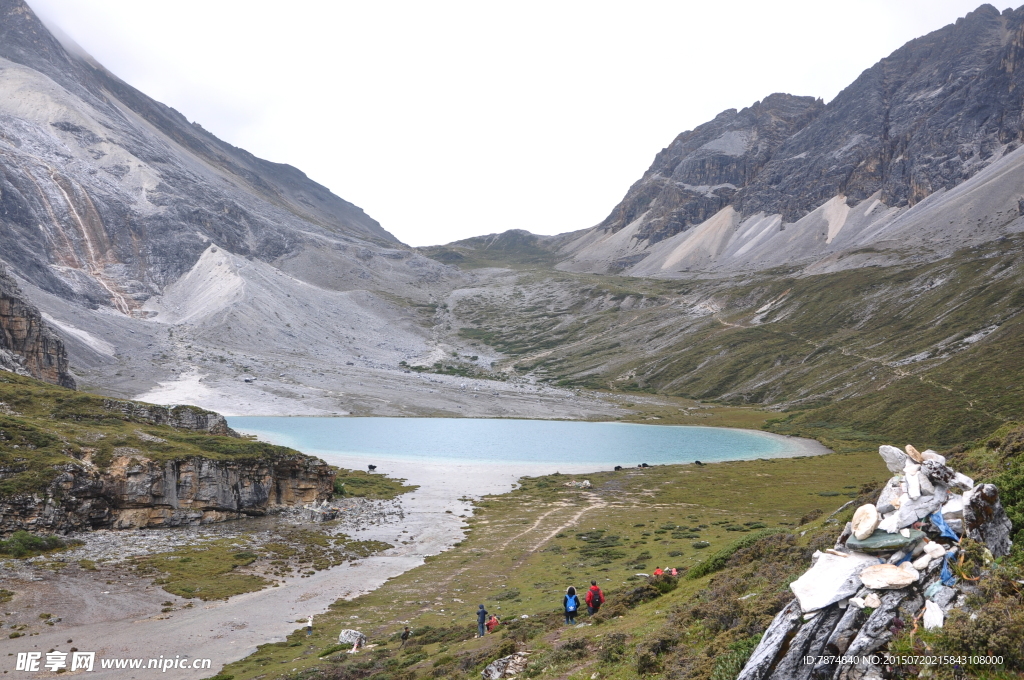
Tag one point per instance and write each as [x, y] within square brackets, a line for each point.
[618, 467]
[372, 467]
[644, 465]
[697, 462]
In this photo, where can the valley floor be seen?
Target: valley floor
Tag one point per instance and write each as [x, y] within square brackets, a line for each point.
[103, 607]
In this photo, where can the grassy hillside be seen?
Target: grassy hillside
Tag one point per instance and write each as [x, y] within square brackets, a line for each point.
[893, 351]
[739, 532]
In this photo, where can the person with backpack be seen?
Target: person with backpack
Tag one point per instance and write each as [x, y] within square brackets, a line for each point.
[481, 620]
[571, 604]
[406, 634]
[594, 598]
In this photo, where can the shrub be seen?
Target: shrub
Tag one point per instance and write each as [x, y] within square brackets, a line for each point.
[718, 561]
[22, 544]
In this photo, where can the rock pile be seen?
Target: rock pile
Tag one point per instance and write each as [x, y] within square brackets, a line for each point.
[891, 562]
[505, 667]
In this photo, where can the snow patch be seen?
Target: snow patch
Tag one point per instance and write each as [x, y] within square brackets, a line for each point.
[835, 213]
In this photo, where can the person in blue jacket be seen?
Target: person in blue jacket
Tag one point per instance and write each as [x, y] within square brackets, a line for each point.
[571, 604]
[481, 620]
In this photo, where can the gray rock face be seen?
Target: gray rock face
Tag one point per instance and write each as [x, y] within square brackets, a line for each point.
[180, 417]
[27, 345]
[134, 492]
[923, 120]
[703, 169]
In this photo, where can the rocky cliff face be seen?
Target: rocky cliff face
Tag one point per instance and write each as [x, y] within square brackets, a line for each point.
[703, 169]
[925, 120]
[27, 345]
[135, 492]
[178, 417]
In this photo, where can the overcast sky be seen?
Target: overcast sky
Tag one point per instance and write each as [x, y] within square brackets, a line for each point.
[445, 120]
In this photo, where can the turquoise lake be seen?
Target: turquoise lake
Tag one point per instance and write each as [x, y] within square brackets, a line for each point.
[471, 440]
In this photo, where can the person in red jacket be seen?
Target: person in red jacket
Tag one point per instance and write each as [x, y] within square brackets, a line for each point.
[594, 598]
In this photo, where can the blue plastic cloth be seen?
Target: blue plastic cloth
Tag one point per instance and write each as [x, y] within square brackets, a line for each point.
[939, 523]
[946, 575]
[906, 558]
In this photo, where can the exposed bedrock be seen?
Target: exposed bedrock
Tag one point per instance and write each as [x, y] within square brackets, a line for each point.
[27, 345]
[135, 492]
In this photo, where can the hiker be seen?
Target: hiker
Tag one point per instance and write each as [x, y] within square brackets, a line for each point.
[658, 572]
[309, 626]
[405, 636]
[571, 604]
[674, 572]
[481, 620]
[492, 623]
[594, 598]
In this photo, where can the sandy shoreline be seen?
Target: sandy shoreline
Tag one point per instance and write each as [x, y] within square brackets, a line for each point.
[129, 624]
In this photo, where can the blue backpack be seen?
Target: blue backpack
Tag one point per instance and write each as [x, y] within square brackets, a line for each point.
[572, 603]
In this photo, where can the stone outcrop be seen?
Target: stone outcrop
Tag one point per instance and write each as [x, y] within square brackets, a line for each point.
[136, 492]
[27, 345]
[179, 417]
[850, 602]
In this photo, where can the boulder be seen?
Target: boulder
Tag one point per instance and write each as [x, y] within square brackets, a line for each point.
[893, 457]
[831, 579]
[880, 542]
[352, 637]
[865, 521]
[914, 454]
[887, 577]
[932, 455]
[985, 519]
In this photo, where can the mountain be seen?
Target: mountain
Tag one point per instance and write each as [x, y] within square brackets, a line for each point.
[789, 180]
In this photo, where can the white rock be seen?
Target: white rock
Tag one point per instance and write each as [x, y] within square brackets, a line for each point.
[888, 523]
[963, 481]
[953, 508]
[865, 521]
[857, 602]
[934, 550]
[872, 600]
[922, 562]
[933, 617]
[830, 580]
[932, 455]
[909, 568]
[893, 457]
[914, 453]
[887, 577]
[913, 481]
